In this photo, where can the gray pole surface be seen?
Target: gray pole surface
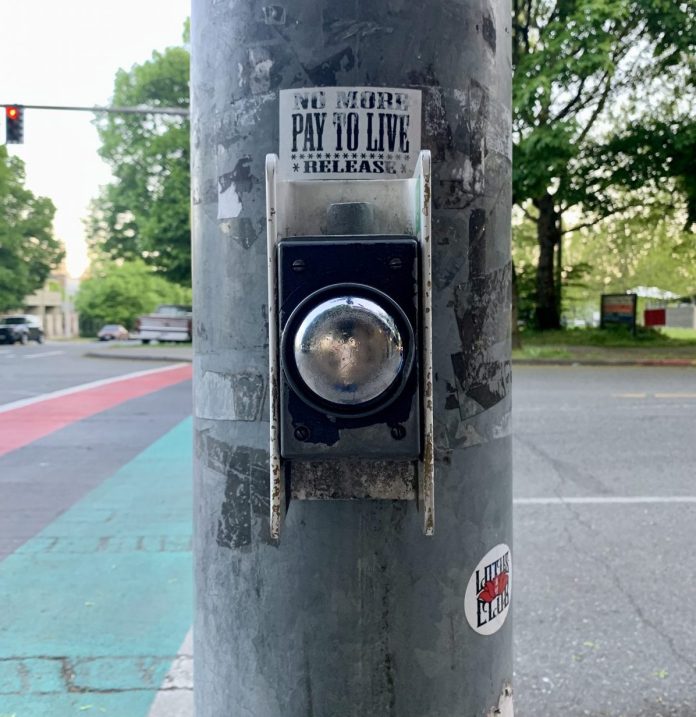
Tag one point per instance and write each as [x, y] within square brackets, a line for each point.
[355, 613]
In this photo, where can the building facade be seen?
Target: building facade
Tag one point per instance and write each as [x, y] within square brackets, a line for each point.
[54, 306]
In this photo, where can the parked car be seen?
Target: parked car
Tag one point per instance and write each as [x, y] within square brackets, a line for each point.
[20, 329]
[169, 322]
[113, 331]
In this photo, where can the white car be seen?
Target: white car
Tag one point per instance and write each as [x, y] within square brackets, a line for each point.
[112, 332]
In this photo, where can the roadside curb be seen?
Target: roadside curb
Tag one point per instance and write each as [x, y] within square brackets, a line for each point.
[167, 358]
[666, 363]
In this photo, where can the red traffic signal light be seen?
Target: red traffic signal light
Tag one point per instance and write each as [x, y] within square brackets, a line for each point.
[14, 124]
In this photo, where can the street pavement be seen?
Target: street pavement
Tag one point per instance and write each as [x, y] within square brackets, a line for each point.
[95, 535]
[605, 522]
[36, 369]
[95, 540]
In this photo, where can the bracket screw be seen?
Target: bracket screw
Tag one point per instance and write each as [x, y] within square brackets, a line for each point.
[299, 265]
[395, 263]
[302, 433]
[398, 432]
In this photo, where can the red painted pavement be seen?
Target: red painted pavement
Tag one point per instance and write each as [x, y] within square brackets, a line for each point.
[26, 424]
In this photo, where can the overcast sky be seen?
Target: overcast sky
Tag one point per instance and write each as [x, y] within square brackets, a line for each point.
[67, 53]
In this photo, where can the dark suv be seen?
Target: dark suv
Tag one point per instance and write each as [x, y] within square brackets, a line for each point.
[21, 328]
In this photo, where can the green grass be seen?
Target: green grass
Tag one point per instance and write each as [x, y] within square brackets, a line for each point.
[614, 337]
[542, 352]
[682, 334]
[616, 344]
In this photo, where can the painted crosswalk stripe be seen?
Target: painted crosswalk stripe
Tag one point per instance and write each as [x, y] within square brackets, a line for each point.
[95, 623]
[32, 418]
[607, 500]
[44, 354]
[86, 386]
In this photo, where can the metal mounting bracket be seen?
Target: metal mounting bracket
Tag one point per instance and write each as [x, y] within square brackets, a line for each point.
[297, 208]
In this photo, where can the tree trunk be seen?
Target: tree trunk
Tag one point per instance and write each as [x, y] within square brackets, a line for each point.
[547, 312]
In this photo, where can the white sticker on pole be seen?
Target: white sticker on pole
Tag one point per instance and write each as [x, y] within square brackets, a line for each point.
[349, 133]
[487, 599]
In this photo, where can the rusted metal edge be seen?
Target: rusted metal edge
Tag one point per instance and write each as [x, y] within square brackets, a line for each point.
[277, 485]
[426, 466]
[354, 479]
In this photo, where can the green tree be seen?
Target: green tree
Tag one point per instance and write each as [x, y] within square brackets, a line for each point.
[645, 245]
[582, 68]
[657, 153]
[144, 213]
[28, 249]
[120, 293]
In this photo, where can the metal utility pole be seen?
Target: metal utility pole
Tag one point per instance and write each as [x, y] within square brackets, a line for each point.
[355, 612]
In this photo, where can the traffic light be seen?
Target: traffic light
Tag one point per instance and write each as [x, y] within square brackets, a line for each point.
[14, 124]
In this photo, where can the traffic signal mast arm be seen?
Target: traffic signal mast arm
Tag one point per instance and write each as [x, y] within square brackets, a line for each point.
[14, 115]
[138, 110]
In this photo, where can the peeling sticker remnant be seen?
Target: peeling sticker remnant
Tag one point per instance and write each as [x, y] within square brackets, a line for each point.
[487, 598]
[240, 230]
[481, 306]
[246, 501]
[489, 34]
[232, 186]
[504, 708]
[255, 73]
[274, 14]
[327, 71]
[230, 397]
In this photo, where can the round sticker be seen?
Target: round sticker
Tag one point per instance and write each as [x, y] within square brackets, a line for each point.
[487, 599]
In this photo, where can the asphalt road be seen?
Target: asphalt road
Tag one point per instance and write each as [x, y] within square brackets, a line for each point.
[95, 534]
[34, 369]
[605, 532]
[95, 529]
[41, 480]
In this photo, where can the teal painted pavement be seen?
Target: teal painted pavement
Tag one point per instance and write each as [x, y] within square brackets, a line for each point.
[94, 608]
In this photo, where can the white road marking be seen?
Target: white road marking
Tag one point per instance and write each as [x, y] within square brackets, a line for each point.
[175, 696]
[83, 387]
[607, 500]
[45, 353]
[655, 395]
